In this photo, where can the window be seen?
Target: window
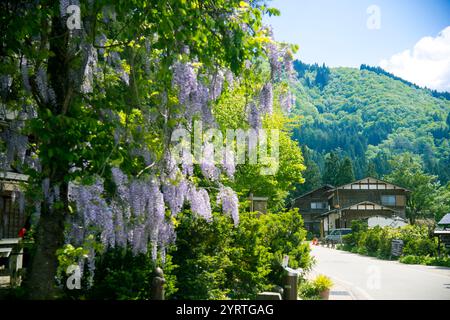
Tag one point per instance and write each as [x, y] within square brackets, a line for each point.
[11, 220]
[388, 200]
[319, 205]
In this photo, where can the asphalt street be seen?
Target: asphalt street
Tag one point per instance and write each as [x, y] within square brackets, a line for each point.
[366, 278]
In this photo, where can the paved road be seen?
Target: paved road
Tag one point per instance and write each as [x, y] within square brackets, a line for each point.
[369, 278]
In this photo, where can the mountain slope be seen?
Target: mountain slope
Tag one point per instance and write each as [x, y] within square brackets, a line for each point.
[370, 117]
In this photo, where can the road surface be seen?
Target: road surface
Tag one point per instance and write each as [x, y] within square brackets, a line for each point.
[366, 278]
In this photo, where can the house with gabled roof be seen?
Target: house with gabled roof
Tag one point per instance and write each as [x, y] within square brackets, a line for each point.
[328, 207]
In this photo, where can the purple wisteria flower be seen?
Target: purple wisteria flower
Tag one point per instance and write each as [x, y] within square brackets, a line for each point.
[229, 162]
[207, 164]
[90, 66]
[254, 115]
[185, 79]
[266, 99]
[200, 203]
[175, 195]
[41, 83]
[230, 203]
[24, 70]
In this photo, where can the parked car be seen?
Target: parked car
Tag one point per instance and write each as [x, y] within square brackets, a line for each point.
[335, 236]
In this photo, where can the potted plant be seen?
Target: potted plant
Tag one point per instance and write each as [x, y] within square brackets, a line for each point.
[323, 285]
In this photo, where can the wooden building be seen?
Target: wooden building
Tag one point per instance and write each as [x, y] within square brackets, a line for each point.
[328, 207]
[12, 216]
[312, 205]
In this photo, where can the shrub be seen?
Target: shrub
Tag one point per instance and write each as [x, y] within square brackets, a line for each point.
[372, 240]
[218, 260]
[362, 251]
[211, 260]
[119, 275]
[322, 283]
[308, 291]
[410, 259]
[442, 262]
[377, 242]
[417, 241]
[309, 236]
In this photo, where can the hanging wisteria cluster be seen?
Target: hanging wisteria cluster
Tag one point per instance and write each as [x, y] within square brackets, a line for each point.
[139, 214]
[136, 215]
[16, 143]
[230, 203]
[195, 92]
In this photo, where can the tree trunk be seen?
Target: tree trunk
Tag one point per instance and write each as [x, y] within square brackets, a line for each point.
[41, 280]
[50, 237]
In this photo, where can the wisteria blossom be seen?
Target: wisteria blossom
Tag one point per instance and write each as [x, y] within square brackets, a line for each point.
[5, 84]
[230, 203]
[276, 66]
[116, 62]
[89, 69]
[266, 98]
[41, 83]
[119, 209]
[254, 115]
[200, 202]
[287, 100]
[24, 70]
[16, 146]
[175, 195]
[229, 162]
[217, 84]
[207, 164]
[185, 79]
[136, 217]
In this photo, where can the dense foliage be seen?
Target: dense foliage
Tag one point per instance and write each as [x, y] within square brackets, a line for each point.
[370, 117]
[210, 260]
[93, 95]
[216, 261]
[418, 241]
[378, 70]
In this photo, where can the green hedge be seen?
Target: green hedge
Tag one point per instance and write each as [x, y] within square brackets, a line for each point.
[376, 242]
[426, 260]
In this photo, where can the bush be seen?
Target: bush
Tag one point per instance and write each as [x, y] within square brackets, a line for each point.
[442, 262]
[417, 241]
[119, 275]
[307, 291]
[217, 260]
[426, 260]
[377, 242]
[322, 283]
[410, 259]
[211, 260]
[310, 290]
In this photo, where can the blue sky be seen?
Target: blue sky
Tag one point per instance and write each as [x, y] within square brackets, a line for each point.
[335, 31]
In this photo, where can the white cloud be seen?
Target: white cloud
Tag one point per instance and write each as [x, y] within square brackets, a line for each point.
[427, 64]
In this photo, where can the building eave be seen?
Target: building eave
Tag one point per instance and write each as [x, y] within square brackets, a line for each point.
[341, 187]
[329, 186]
[366, 203]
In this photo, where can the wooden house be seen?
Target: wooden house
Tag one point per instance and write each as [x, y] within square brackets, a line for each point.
[312, 205]
[12, 218]
[361, 199]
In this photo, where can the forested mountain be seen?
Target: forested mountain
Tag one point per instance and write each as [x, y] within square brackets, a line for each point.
[369, 116]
